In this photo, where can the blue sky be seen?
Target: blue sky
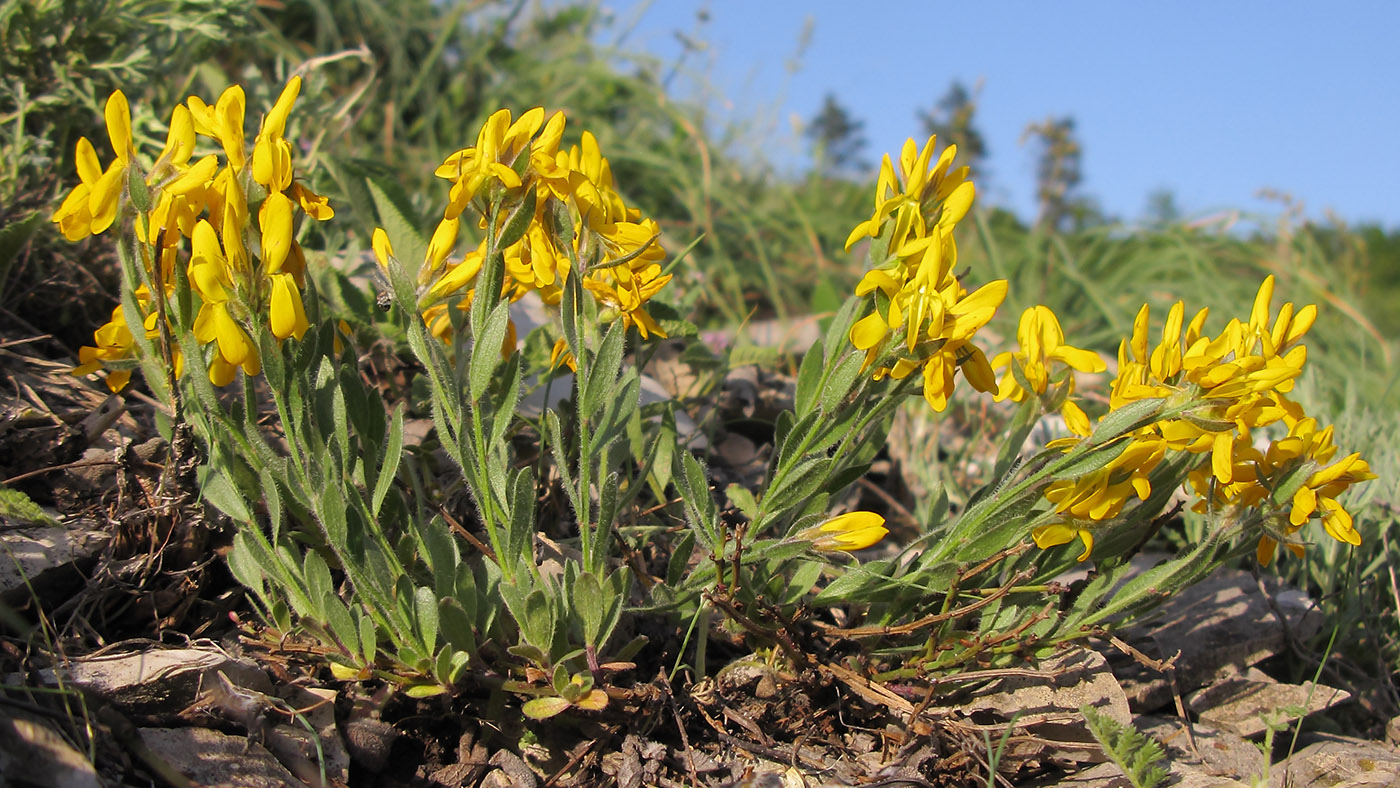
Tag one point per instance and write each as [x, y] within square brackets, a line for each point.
[1211, 100]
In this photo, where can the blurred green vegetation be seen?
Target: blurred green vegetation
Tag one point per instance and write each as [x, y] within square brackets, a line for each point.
[393, 88]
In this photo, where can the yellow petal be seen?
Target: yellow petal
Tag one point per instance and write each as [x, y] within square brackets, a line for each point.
[868, 331]
[106, 196]
[275, 221]
[957, 205]
[195, 177]
[228, 126]
[118, 116]
[234, 344]
[89, 168]
[1052, 535]
[275, 124]
[382, 249]
[846, 532]
[288, 316]
[444, 239]
[1339, 524]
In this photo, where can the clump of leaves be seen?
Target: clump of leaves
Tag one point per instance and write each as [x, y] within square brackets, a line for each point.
[1137, 754]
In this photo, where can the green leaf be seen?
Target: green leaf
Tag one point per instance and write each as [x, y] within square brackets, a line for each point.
[539, 622]
[1126, 419]
[218, 490]
[389, 466]
[505, 406]
[590, 606]
[571, 312]
[740, 496]
[553, 435]
[808, 380]
[424, 690]
[855, 581]
[602, 371]
[801, 483]
[369, 638]
[520, 540]
[803, 578]
[544, 708]
[486, 351]
[456, 626]
[318, 584]
[699, 506]
[679, 563]
[607, 513]
[837, 332]
[244, 567]
[15, 505]
[1136, 754]
[839, 382]
[426, 603]
[346, 632]
[519, 220]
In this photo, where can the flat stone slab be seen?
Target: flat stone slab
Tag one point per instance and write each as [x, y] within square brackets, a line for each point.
[1048, 707]
[33, 753]
[1221, 626]
[1216, 752]
[1108, 775]
[45, 557]
[1338, 762]
[217, 760]
[1246, 706]
[157, 681]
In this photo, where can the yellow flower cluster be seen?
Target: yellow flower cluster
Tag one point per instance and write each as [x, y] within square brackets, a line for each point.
[1043, 358]
[615, 249]
[1238, 381]
[206, 202]
[923, 317]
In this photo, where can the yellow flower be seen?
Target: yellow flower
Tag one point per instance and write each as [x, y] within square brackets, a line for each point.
[223, 122]
[272, 154]
[1239, 377]
[92, 205]
[923, 317]
[917, 188]
[1101, 494]
[497, 145]
[209, 277]
[845, 532]
[1042, 345]
[1043, 349]
[1055, 534]
[1257, 474]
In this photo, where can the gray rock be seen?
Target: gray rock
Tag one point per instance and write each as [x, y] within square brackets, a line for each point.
[217, 760]
[1108, 775]
[157, 681]
[1221, 626]
[1246, 705]
[1338, 762]
[324, 748]
[1049, 707]
[33, 753]
[1216, 752]
[46, 558]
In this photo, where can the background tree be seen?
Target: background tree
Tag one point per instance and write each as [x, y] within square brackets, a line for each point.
[1058, 174]
[953, 119]
[838, 140]
[1162, 209]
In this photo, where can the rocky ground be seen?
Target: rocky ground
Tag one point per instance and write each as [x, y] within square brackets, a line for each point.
[128, 658]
